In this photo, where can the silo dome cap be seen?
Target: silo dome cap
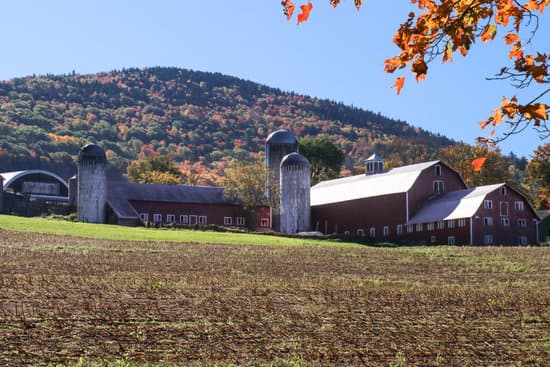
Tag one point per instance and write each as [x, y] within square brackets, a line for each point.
[281, 137]
[91, 152]
[294, 159]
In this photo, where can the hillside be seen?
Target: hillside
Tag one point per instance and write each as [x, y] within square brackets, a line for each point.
[194, 116]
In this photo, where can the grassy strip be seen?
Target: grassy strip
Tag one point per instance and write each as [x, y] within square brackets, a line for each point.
[112, 232]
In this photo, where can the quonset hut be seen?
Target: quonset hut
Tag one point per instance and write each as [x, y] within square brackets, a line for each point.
[278, 144]
[92, 184]
[295, 188]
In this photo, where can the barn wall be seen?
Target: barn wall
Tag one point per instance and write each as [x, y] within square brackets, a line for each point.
[502, 234]
[214, 213]
[376, 212]
[423, 188]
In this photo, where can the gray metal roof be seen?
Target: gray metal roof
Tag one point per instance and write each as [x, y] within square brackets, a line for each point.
[120, 193]
[454, 205]
[294, 159]
[397, 180]
[92, 152]
[281, 137]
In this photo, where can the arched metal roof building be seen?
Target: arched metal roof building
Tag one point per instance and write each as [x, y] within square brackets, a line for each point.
[35, 182]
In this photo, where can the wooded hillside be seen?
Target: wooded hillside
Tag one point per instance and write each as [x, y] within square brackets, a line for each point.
[204, 118]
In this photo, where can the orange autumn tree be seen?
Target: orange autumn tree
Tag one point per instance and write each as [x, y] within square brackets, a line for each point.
[444, 28]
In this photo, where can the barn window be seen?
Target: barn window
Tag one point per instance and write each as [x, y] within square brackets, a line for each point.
[451, 224]
[409, 228]
[170, 218]
[439, 186]
[144, 217]
[419, 227]
[202, 219]
[519, 206]
[488, 239]
[372, 232]
[505, 221]
[522, 240]
[386, 231]
[430, 227]
[522, 223]
[433, 239]
[240, 221]
[184, 219]
[488, 221]
[462, 222]
[503, 191]
[503, 208]
[157, 218]
[438, 170]
[193, 219]
[441, 225]
[451, 240]
[361, 232]
[399, 230]
[488, 204]
[227, 221]
[264, 222]
[347, 233]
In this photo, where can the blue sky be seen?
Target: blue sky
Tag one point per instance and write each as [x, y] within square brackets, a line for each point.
[337, 54]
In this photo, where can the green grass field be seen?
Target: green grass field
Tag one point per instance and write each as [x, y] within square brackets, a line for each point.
[112, 232]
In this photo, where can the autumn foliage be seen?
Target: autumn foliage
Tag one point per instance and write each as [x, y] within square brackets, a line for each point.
[442, 29]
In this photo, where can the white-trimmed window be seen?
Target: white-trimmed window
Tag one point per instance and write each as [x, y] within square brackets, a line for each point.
[450, 224]
[437, 170]
[433, 239]
[451, 240]
[347, 233]
[227, 221]
[522, 240]
[488, 221]
[488, 204]
[430, 227]
[202, 219]
[361, 232]
[488, 239]
[184, 219]
[386, 231]
[170, 218]
[462, 222]
[439, 186]
[503, 208]
[441, 225]
[264, 222]
[505, 221]
[372, 232]
[519, 206]
[522, 223]
[410, 228]
[144, 217]
[157, 218]
[503, 191]
[419, 227]
[399, 230]
[241, 221]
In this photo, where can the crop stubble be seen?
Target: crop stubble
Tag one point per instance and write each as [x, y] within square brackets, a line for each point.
[62, 298]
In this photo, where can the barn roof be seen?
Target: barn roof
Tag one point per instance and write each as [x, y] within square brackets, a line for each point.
[120, 193]
[454, 205]
[397, 180]
[11, 177]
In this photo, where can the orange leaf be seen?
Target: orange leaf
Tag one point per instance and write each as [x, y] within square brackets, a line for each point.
[489, 33]
[358, 3]
[478, 163]
[511, 38]
[399, 84]
[420, 68]
[448, 54]
[288, 8]
[302, 17]
[334, 3]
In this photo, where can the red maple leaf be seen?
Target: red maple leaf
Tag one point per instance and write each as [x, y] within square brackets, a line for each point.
[478, 163]
[302, 17]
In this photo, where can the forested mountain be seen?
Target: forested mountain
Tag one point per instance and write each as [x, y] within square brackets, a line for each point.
[203, 118]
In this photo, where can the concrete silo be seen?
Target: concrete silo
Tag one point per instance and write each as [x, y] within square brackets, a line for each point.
[1, 193]
[92, 184]
[278, 144]
[294, 189]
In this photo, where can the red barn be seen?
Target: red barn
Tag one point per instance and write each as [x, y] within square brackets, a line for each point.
[425, 203]
[129, 204]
